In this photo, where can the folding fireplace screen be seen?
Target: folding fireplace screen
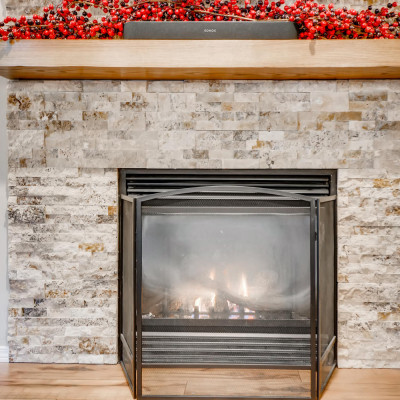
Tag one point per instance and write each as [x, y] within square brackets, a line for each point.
[228, 289]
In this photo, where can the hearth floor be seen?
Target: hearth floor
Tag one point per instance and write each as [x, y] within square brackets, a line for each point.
[98, 382]
[226, 382]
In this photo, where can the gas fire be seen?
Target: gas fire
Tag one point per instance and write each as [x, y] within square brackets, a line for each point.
[244, 291]
[197, 303]
[213, 300]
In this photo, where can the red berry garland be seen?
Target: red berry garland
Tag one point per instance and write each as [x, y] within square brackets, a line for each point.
[72, 20]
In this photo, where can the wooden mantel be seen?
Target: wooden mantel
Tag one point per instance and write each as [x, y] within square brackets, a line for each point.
[200, 59]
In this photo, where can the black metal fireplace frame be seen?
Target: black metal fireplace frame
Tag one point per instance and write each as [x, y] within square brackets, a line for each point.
[317, 385]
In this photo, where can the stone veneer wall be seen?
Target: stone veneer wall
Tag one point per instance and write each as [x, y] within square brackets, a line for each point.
[67, 139]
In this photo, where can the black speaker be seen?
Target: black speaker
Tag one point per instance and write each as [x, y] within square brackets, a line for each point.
[235, 30]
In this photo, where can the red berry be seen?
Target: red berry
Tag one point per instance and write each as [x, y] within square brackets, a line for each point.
[314, 19]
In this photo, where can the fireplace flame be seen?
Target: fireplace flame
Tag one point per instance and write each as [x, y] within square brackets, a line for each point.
[197, 302]
[244, 291]
[213, 300]
[212, 275]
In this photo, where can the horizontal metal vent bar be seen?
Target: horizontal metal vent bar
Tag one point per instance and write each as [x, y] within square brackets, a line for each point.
[219, 195]
[185, 183]
[225, 336]
[314, 192]
[228, 178]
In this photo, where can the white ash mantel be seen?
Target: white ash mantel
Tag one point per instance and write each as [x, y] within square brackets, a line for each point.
[68, 138]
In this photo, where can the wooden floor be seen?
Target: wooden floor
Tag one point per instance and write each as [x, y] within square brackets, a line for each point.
[98, 382]
[227, 382]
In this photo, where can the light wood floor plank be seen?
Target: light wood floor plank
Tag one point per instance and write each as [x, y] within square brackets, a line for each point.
[107, 382]
[69, 371]
[224, 382]
[363, 384]
[384, 376]
[62, 382]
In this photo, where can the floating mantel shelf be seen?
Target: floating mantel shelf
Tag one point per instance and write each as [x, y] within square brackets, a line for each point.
[200, 59]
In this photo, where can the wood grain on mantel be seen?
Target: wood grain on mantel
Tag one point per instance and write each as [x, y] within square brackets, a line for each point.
[200, 59]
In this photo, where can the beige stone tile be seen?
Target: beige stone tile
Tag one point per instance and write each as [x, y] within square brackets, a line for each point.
[328, 101]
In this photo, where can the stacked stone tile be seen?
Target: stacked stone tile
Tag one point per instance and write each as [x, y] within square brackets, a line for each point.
[67, 139]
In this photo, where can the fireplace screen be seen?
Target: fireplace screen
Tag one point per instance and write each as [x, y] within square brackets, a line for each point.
[222, 285]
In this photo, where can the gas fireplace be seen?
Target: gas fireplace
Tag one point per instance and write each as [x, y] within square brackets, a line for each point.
[228, 283]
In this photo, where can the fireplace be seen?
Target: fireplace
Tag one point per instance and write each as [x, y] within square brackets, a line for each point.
[228, 283]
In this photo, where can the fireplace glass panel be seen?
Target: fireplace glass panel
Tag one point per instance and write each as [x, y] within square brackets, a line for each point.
[230, 266]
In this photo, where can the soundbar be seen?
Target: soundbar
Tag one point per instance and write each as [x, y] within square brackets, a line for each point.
[212, 30]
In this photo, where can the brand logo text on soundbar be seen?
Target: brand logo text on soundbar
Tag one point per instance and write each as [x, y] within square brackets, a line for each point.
[210, 30]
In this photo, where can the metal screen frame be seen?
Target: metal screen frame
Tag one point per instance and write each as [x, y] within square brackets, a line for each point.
[313, 304]
[127, 265]
[316, 387]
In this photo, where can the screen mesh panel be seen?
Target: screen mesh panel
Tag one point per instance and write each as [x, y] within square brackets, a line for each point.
[220, 286]
[327, 273]
[326, 288]
[328, 363]
[127, 290]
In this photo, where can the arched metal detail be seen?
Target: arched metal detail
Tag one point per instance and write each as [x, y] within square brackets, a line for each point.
[225, 189]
